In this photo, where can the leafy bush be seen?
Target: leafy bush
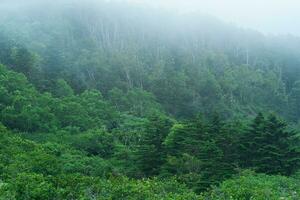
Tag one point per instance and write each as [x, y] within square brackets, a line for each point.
[251, 186]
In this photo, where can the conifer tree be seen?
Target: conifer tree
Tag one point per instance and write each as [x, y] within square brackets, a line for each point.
[277, 154]
[195, 151]
[151, 153]
[250, 141]
[269, 147]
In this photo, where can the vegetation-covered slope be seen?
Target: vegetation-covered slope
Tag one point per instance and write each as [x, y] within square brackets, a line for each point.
[190, 63]
[100, 103]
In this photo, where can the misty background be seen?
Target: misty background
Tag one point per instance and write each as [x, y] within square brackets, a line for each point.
[268, 16]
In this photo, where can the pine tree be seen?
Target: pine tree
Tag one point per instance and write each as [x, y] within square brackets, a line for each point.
[250, 140]
[195, 150]
[268, 147]
[151, 153]
[225, 138]
[277, 155]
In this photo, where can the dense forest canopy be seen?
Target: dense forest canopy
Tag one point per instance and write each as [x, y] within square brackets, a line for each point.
[121, 101]
[108, 45]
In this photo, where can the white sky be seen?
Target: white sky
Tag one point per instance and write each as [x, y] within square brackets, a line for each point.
[268, 16]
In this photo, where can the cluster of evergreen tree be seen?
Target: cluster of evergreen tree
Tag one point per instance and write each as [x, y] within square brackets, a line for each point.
[116, 108]
[84, 138]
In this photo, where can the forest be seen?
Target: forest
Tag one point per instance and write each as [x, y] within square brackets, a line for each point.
[114, 101]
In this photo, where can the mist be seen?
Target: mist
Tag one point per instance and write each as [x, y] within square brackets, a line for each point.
[268, 16]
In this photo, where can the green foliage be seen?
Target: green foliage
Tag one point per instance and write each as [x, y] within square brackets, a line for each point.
[95, 142]
[23, 61]
[62, 89]
[156, 64]
[257, 187]
[294, 99]
[151, 151]
[25, 109]
[51, 171]
[28, 186]
[203, 150]
[269, 147]
[136, 102]
[109, 106]
[33, 186]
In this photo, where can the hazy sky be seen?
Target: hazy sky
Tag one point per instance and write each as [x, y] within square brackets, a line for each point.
[268, 16]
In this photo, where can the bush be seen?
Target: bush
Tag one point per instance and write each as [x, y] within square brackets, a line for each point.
[251, 186]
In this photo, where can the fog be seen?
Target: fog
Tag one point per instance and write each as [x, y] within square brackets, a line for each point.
[266, 16]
